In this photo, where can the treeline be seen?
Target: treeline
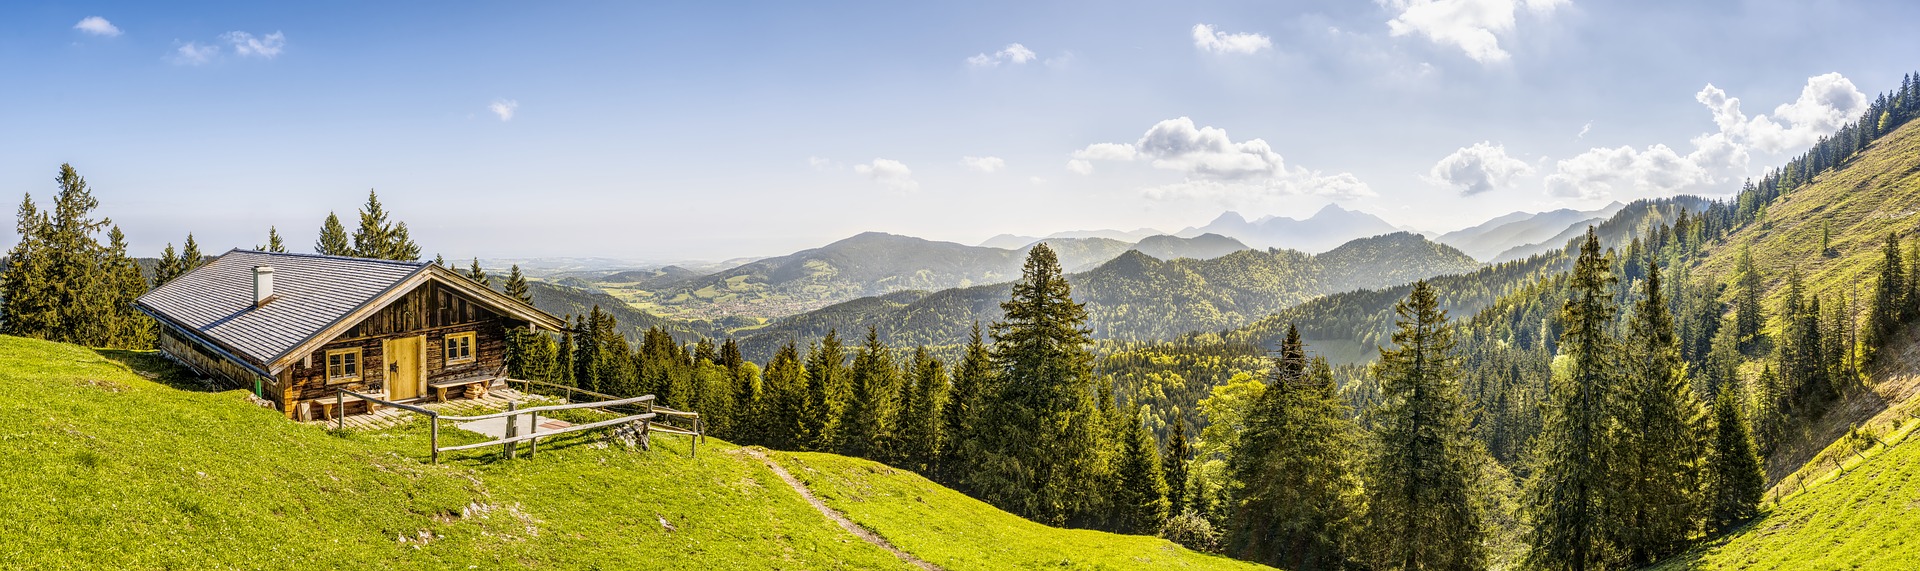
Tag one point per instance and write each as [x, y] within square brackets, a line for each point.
[61, 283]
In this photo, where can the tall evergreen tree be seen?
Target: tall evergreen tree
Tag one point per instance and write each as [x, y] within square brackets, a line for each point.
[333, 238]
[869, 427]
[478, 275]
[1656, 457]
[26, 307]
[829, 388]
[1041, 461]
[1295, 468]
[789, 410]
[1141, 501]
[1175, 463]
[1735, 479]
[1422, 478]
[378, 238]
[1568, 495]
[81, 300]
[1889, 297]
[1748, 317]
[190, 257]
[963, 414]
[516, 286]
[922, 397]
[128, 327]
[274, 244]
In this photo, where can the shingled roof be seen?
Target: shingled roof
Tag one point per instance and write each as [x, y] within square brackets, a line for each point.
[312, 293]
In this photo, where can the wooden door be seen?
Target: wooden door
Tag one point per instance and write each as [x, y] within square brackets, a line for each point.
[403, 367]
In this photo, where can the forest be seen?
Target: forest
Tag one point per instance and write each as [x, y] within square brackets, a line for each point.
[1606, 406]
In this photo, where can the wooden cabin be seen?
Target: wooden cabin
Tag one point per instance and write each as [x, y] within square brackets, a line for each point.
[295, 328]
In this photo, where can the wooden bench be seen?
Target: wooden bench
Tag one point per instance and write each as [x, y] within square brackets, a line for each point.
[327, 404]
[440, 387]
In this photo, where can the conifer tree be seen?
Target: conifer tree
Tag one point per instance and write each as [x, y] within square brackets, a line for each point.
[273, 242]
[516, 286]
[922, 397]
[1294, 468]
[962, 415]
[788, 410]
[80, 299]
[829, 388]
[1746, 306]
[26, 307]
[333, 238]
[1656, 457]
[1041, 460]
[1889, 297]
[167, 268]
[190, 257]
[1141, 501]
[378, 238]
[1174, 463]
[128, 327]
[869, 427]
[479, 275]
[1568, 495]
[1735, 480]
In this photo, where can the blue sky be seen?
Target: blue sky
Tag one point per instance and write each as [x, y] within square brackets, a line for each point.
[670, 131]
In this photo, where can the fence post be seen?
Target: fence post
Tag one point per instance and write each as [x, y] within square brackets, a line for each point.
[340, 408]
[435, 419]
[513, 421]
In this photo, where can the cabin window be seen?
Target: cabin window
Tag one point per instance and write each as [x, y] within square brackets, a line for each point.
[459, 348]
[343, 365]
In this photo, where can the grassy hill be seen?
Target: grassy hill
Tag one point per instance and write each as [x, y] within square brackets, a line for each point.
[116, 459]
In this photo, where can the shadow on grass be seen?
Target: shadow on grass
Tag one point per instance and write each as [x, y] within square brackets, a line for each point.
[150, 365]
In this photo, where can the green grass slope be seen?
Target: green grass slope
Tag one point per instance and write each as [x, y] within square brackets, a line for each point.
[114, 459]
[957, 532]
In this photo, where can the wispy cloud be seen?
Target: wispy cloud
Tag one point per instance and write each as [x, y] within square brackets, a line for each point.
[1583, 130]
[1217, 167]
[504, 108]
[1210, 40]
[889, 173]
[984, 164]
[97, 26]
[1014, 53]
[1473, 26]
[246, 45]
[192, 53]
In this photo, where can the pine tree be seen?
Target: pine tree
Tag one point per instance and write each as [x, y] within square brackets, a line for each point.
[1656, 458]
[516, 286]
[868, 430]
[80, 295]
[788, 409]
[1567, 497]
[128, 327]
[1141, 501]
[1735, 480]
[273, 242]
[333, 238]
[962, 416]
[25, 306]
[1746, 306]
[922, 397]
[377, 238]
[479, 275]
[1041, 460]
[1422, 477]
[190, 257]
[1174, 463]
[167, 268]
[829, 388]
[1294, 467]
[1889, 298]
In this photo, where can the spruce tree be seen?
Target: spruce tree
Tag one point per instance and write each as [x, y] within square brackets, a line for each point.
[1293, 468]
[479, 275]
[1567, 499]
[80, 295]
[1175, 460]
[1656, 457]
[516, 286]
[922, 397]
[27, 308]
[333, 238]
[128, 327]
[1425, 468]
[1889, 297]
[788, 409]
[167, 268]
[190, 257]
[1735, 480]
[962, 415]
[378, 238]
[1748, 317]
[829, 388]
[273, 242]
[869, 427]
[1141, 501]
[1041, 460]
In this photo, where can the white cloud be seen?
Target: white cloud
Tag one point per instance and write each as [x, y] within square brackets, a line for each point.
[246, 45]
[1825, 104]
[822, 164]
[1014, 53]
[1583, 130]
[1473, 26]
[97, 26]
[1478, 168]
[1208, 40]
[191, 53]
[1216, 166]
[889, 173]
[984, 164]
[504, 108]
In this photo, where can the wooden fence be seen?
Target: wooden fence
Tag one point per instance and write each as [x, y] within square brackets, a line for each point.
[642, 414]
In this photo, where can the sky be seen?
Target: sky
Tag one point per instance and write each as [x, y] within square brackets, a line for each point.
[703, 131]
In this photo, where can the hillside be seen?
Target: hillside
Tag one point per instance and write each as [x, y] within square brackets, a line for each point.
[1487, 241]
[1136, 296]
[571, 300]
[1202, 247]
[117, 460]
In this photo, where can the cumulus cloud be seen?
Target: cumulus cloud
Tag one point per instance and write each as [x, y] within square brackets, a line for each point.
[1825, 104]
[1473, 26]
[1479, 168]
[265, 47]
[1014, 53]
[192, 53]
[504, 108]
[97, 26]
[889, 173]
[1216, 166]
[1209, 40]
[984, 164]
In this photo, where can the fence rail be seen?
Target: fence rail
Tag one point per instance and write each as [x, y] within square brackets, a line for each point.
[509, 442]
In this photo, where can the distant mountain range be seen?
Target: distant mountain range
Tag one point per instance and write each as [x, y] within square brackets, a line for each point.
[1013, 242]
[1511, 236]
[1326, 229]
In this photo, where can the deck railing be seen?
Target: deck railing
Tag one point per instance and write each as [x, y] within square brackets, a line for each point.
[643, 418]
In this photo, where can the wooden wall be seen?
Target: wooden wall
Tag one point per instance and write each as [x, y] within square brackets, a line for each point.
[207, 363]
[432, 311]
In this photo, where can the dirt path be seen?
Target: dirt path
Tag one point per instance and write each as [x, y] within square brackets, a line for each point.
[835, 515]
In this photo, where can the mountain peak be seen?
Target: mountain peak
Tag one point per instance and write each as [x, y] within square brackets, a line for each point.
[1228, 217]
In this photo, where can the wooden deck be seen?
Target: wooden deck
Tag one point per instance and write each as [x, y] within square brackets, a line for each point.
[388, 417]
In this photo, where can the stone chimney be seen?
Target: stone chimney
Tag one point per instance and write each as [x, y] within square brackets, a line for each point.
[262, 285]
